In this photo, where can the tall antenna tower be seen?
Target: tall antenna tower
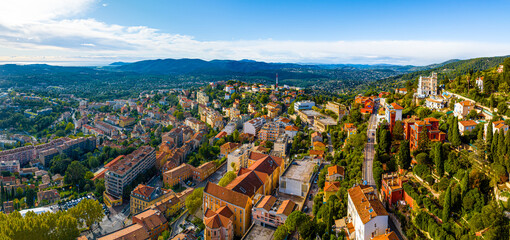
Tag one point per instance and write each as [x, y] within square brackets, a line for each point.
[277, 81]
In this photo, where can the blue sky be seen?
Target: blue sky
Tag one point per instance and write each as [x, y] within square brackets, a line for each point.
[97, 32]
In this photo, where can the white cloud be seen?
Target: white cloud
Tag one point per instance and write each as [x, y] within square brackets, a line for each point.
[56, 29]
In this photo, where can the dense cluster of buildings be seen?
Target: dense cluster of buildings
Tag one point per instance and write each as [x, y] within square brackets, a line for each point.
[227, 210]
[43, 153]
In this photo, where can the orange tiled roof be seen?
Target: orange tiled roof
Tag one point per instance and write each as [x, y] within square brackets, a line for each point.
[226, 194]
[335, 169]
[132, 232]
[291, 128]
[331, 186]
[267, 202]
[286, 207]
[396, 106]
[246, 184]
[387, 236]
[466, 103]
[366, 203]
[468, 123]
[144, 190]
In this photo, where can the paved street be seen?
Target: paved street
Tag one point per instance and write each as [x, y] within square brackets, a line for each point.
[370, 151]
[112, 223]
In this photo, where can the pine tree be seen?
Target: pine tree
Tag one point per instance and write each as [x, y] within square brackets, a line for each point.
[447, 204]
[438, 159]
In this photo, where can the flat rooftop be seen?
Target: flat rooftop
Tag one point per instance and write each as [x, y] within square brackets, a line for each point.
[310, 113]
[300, 170]
[327, 121]
[258, 232]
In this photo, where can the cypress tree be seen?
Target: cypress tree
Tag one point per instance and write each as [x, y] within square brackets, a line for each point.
[447, 204]
[501, 146]
[464, 184]
[455, 133]
[507, 143]
[404, 155]
[489, 135]
[494, 146]
[438, 159]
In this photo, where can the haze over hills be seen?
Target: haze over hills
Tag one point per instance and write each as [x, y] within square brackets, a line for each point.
[185, 72]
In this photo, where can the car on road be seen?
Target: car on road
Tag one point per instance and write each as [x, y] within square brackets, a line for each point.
[305, 209]
[310, 197]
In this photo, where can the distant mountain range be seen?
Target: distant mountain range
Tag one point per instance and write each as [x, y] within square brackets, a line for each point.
[186, 72]
[198, 66]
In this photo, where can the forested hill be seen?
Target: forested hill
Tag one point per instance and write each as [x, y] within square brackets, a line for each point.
[198, 66]
[456, 68]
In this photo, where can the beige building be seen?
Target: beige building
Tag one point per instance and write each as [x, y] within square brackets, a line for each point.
[427, 85]
[339, 109]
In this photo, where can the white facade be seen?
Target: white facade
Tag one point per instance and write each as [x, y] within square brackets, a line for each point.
[462, 109]
[253, 126]
[376, 226]
[427, 86]
[393, 108]
[297, 178]
[237, 156]
[432, 103]
[479, 83]
[303, 105]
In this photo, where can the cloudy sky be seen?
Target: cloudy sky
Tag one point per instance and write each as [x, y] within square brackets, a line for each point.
[98, 32]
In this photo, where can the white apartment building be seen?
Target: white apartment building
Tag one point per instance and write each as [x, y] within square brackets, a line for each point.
[253, 126]
[303, 105]
[366, 213]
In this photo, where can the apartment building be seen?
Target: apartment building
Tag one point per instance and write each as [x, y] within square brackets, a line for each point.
[195, 124]
[186, 171]
[270, 131]
[393, 113]
[414, 126]
[435, 103]
[9, 166]
[270, 211]
[124, 171]
[392, 189]
[303, 105]
[47, 151]
[324, 123]
[339, 109]
[144, 196]
[366, 213]
[253, 126]
[463, 108]
[202, 98]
